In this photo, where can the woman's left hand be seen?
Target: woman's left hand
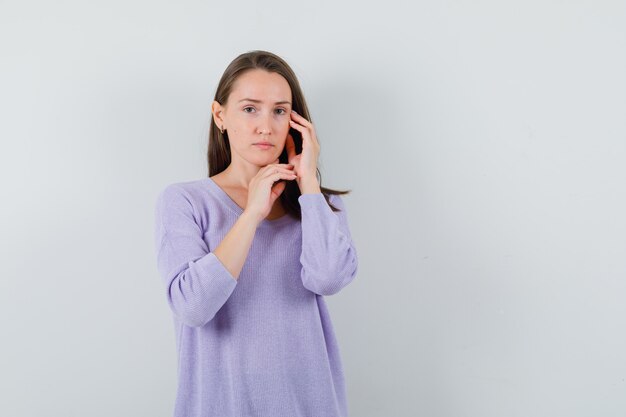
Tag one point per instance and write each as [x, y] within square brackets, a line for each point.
[305, 163]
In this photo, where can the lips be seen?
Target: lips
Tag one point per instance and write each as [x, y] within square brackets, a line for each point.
[263, 143]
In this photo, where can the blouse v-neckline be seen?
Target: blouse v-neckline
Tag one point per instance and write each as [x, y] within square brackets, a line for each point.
[226, 199]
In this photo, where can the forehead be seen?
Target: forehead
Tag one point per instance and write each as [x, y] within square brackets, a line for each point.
[262, 85]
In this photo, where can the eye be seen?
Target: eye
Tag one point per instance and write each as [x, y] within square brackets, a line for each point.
[249, 107]
[284, 111]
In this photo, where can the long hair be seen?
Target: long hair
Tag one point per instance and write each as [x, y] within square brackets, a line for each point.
[218, 155]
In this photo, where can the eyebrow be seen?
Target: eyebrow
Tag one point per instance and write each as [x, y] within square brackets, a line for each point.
[259, 101]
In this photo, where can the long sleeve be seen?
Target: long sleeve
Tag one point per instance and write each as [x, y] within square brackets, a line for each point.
[329, 258]
[197, 283]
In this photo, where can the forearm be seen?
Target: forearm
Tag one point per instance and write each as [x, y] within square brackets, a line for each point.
[233, 249]
[329, 259]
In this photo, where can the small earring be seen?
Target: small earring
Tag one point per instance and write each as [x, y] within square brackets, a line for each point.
[222, 129]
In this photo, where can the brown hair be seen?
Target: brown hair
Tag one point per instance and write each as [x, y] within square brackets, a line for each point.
[218, 155]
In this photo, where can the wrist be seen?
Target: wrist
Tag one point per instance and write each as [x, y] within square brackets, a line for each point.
[251, 218]
[309, 185]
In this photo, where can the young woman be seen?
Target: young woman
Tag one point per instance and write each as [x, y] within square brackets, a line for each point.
[247, 254]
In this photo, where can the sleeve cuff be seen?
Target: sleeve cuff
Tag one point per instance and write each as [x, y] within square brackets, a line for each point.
[220, 277]
[312, 200]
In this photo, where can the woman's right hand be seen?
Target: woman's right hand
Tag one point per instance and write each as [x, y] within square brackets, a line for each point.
[262, 190]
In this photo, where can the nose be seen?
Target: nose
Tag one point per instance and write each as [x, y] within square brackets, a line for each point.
[265, 125]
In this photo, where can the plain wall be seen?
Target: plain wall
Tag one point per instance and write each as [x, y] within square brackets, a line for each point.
[485, 144]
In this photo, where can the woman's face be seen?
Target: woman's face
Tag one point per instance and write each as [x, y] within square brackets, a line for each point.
[258, 110]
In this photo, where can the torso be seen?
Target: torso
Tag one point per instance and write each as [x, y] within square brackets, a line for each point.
[241, 198]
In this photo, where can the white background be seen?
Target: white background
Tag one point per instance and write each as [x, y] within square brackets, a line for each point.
[485, 144]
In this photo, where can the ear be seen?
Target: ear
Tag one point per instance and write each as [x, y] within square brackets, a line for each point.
[217, 110]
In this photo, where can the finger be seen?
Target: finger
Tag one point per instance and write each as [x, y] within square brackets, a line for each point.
[290, 146]
[300, 119]
[281, 174]
[296, 126]
[275, 167]
[277, 190]
[272, 166]
[306, 133]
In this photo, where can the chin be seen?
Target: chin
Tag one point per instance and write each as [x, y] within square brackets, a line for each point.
[263, 160]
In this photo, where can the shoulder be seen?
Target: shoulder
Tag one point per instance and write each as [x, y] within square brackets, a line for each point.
[182, 195]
